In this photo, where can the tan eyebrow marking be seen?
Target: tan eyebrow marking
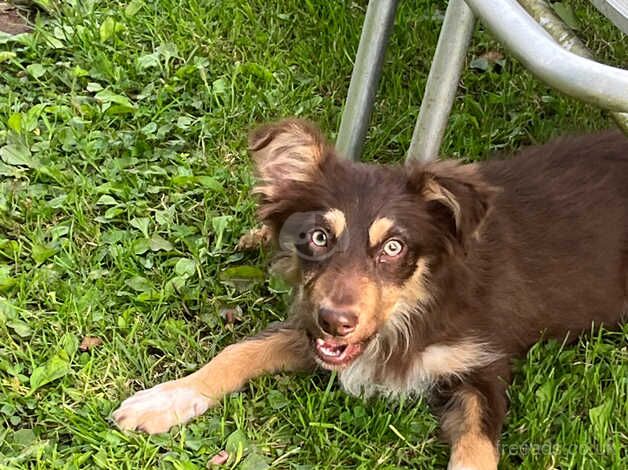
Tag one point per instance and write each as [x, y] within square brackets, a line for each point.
[379, 229]
[336, 219]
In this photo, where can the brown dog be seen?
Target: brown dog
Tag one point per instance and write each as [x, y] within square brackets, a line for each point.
[426, 278]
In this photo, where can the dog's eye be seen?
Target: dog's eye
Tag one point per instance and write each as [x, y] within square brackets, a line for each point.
[393, 248]
[318, 238]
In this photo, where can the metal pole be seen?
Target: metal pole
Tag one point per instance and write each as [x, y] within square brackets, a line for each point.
[545, 16]
[614, 10]
[378, 23]
[442, 81]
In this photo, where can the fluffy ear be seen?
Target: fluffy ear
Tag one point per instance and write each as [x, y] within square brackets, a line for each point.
[286, 152]
[457, 197]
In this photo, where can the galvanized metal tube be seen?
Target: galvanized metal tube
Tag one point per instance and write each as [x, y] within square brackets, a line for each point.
[442, 82]
[614, 10]
[545, 16]
[378, 23]
[585, 79]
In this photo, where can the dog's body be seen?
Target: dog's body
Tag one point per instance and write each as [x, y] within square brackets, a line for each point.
[425, 279]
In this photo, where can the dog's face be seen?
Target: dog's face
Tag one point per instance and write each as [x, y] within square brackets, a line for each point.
[360, 242]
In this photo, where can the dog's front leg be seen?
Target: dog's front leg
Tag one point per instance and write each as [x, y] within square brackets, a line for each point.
[471, 421]
[158, 409]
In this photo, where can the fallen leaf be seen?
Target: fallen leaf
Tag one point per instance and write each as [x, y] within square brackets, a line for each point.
[490, 60]
[90, 342]
[219, 459]
[255, 238]
[493, 56]
[231, 315]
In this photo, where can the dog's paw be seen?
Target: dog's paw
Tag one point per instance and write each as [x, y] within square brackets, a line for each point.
[159, 408]
[474, 454]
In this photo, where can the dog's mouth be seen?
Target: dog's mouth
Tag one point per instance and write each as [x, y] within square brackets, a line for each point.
[334, 355]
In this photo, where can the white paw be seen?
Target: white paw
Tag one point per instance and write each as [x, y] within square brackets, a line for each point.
[159, 408]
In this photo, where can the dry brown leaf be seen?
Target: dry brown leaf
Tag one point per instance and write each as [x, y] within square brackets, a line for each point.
[219, 459]
[492, 56]
[255, 238]
[90, 342]
[231, 315]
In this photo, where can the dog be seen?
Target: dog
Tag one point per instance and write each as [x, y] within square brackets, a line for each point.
[424, 279]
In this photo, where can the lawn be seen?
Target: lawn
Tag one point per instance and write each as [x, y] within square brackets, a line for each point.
[125, 185]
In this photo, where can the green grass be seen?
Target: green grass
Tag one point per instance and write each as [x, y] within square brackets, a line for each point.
[124, 187]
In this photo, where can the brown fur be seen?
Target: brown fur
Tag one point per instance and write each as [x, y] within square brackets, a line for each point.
[494, 257]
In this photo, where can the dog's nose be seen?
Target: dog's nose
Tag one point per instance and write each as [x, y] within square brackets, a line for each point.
[337, 322]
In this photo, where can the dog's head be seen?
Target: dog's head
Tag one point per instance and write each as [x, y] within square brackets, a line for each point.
[359, 241]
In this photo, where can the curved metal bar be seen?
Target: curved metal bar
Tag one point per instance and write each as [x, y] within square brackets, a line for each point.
[542, 12]
[378, 23]
[585, 79]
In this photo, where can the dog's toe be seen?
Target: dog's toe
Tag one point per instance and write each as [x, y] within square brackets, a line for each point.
[159, 408]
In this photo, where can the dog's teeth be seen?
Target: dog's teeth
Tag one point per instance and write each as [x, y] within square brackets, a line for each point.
[327, 349]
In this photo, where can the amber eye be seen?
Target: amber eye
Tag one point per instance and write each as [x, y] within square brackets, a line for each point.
[393, 248]
[318, 238]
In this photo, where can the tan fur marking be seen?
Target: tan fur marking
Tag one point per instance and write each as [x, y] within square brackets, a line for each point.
[238, 363]
[288, 150]
[336, 218]
[416, 288]
[405, 301]
[435, 192]
[379, 229]
[471, 449]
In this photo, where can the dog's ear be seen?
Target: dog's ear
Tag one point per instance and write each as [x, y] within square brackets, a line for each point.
[457, 198]
[286, 152]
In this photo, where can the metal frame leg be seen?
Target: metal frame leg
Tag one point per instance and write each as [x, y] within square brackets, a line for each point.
[614, 10]
[378, 23]
[442, 81]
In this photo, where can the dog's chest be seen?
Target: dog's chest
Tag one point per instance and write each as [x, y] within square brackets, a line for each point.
[371, 375]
